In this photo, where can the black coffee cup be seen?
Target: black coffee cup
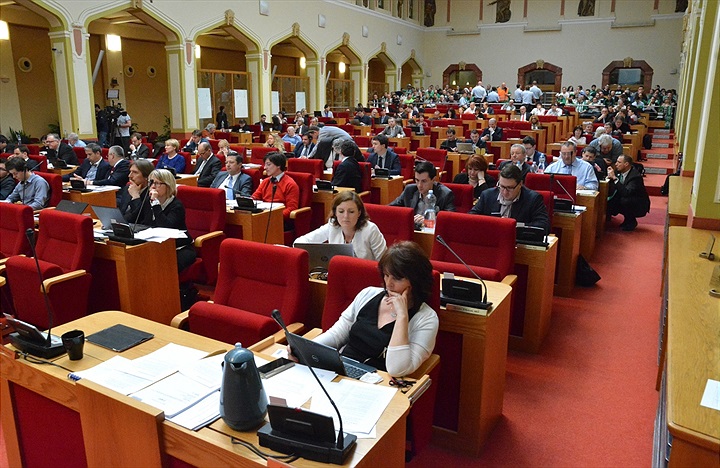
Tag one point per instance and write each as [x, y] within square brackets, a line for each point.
[74, 341]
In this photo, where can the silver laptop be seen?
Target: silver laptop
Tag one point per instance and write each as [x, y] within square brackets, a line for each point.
[320, 254]
[465, 148]
[108, 216]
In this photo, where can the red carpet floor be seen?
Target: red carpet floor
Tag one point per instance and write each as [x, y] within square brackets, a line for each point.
[588, 398]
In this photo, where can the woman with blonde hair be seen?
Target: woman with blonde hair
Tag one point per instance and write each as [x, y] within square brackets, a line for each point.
[172, 159]
[274, 141]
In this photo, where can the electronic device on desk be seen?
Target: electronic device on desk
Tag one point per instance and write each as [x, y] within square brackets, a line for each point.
[382, 173]
[78, 186]
[530, 235]
[59, 163]
[69, 206]
[275, 367]
[306, 434]
[319, 255]
[123, 233]
[460, 292]
[108, 216]
[246, 204]
[324, 185]
[465, 148]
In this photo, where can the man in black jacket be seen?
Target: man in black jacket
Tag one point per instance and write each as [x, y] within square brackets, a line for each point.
[511, 199]
[348, 172]
[627, 195]
[59, 150]
[207, 165]
[92, 168]
[414, 194]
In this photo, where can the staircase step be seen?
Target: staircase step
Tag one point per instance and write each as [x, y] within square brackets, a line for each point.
[653, 182]
[661, 131]
[668, 144]
[659, 166]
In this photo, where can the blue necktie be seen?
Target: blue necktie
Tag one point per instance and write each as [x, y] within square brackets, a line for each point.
[229, 189]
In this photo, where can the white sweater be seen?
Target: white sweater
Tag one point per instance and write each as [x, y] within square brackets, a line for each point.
[368, 242]
[399, 360]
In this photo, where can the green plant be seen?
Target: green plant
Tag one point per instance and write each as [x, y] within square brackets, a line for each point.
[19, 135]
[54, 128]
[165, 135]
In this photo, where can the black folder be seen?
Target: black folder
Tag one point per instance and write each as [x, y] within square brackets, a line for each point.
[119, 337]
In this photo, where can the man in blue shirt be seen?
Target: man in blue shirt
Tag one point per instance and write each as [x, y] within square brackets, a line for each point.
[571, 165]
[31, 190]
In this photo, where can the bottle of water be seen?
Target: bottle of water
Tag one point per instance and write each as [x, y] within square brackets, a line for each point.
[430, 214]
[541, 164]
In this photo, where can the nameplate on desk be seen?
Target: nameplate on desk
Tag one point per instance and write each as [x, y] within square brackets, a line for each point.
[467, 310]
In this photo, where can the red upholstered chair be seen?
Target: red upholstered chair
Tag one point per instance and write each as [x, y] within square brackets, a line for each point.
[362, 141]
[257, 154]
[255, 175]
[205, 220]
[214, 144]
[42, 160]
[254, 279]
[308, 166]
[407, 166]
[548, 200]
[436, 156]
[398, 150]
[14, 221]
[395, 222]
[552, 184]
[80, 153]
[33, 148]
[463, 196]
[65, 249]
[188, 161]
[366, 182]
[490, 250]
[302, 217]
[56, 188]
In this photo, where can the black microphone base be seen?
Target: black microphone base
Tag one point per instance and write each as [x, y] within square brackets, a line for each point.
[444, 300]
[35, 349]
[283, 443]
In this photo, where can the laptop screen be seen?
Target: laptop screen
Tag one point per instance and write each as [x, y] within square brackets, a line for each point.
[321, 254]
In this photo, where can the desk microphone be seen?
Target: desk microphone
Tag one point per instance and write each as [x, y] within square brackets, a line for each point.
[572, 199]
[484, 304]
[272, 199]
[142, 204]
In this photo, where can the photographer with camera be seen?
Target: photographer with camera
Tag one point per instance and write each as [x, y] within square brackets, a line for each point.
[102, 122]
[122, 129]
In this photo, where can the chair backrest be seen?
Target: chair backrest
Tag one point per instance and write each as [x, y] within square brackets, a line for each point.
[395, 222]
[305, 183]
[309, 166]
[42, 160]
[246, 282]
[549, 202]
[204, 209]
[188, 161]
[347, 276]
[255, 175]
[362, 141]
[435, 156]
[55, 182]
[14, 221]
[366, 182]
[407, 166]
[552, 184]
[400, 150]
[80, 153]
[492, 245]
[65, 239]
[463, 196]
[257, 154]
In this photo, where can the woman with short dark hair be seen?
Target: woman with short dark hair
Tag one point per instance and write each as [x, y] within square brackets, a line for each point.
[475, 175]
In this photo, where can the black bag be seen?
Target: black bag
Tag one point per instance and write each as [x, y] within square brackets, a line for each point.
[647, 141]
[585, 275]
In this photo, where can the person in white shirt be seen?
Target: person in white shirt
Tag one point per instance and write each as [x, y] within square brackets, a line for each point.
[539, 109]
[569, 164]
[349, 224]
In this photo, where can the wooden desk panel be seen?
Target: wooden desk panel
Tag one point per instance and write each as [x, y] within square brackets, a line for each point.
[188, 179]
[569, 227]
[243, 138]
[322, 205]
[105, 198]
[590, 200]
[601, 211]
[390, 189]
[255, 225]
[423, 141]
[679, 199]
[400, 142]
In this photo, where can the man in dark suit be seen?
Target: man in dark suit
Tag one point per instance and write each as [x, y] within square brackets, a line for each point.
[232, 180]
[137, 148]
[7, 183]
[92, 168]
[207, 166]
[450, 144]
[382, 157]
[363, 118]
[627, 195]
[517, 158]
[523, 114]
[348, 172]
[59, 150]
[300, 127]
[414, 194]
[264, 125]
[511, 199]
[304, 149]
[195, 139]
[22, 151]
[119, 168]
[492, 133]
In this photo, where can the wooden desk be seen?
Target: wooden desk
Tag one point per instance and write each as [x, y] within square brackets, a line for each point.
[568, 227]
[389, 189]
[322, 205]
[590, 200]
[400, 142]
[255, 225]
[62, 172]
[693, 354]
[423, 141]
[679, 200]
[105, 198]
[188, 179]
[426, 240]
[146, 277]
[242, 137]
[531, 316]
[539, 136]
[114, 441]
[362, 130]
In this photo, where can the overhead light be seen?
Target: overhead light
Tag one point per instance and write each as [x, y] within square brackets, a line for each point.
[197, 51]
[114, 43]
[4, 31]
[341, 67]
[454, 83]
[303, 63]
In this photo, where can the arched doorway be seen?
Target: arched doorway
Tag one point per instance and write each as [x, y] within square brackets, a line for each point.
[344, 76]
[381, 75]
[628, 73]
[547, 75]
[411, 73]
[291, 75]
[462, 75]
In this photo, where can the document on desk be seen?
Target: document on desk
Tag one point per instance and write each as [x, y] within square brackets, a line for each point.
[360, 404]
[711, 395]
[103, 188]
[296, 385]
[160, 234]
[114, 375]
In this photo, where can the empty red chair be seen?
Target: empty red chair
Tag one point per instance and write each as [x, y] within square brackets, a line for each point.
[435, 156]
[254, 279]
[407, 166]
[80, 153]
[463, 196]
[14, 221]
[65, 248]
[395, 222]
[257, 154]
[302, 216]
[55, 182]
[400, 150]
[41, 161]
[363, 141]
[315, 167]
[205, 221]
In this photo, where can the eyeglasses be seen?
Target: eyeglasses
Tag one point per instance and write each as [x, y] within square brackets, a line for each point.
[507, 189]
[156, 182]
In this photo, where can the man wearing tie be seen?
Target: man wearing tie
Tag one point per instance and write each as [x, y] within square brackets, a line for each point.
[627, 193]
[120, 170]
[93, 167]
[303, 150]
[524, 115]
[569, 164]
[382, 157]
[517, 158]
[232, 180]
[137, 149]
[492, 133]
[208, 165]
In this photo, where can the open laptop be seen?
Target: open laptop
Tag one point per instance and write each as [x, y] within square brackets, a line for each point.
[325, 357]
[71, 206]
[465, 148]
[320, 254]
[530, 235]
[109, 216]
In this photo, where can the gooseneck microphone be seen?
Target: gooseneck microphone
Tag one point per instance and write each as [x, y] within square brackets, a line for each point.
[341, 435]
[485, 304]
[142, 204]
[274, 183]
[30, 234]
[554, 180]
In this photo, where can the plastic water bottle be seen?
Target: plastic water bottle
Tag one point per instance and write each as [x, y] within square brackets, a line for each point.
[430, 214]
[541, 164]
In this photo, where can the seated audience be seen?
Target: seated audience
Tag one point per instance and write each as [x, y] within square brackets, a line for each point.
[137, 148]
[304, 149]
[511, 199]
[450, 144]
[589, 154]
[232, 179]
[274, 141]
[291, 137]
[608, 148]
[93, 167]
[518, 158]
[348, 173]
[390, 327]
[31, 190]
[577, 137]
[532, 155]
[59, 150]
[7, 183]
[569, 164]
[475, 176]
[492, 132]
[393, 130]
[225, 150]
[207, 165]
[23, 152]
[383, 157]
[73, 140]
[349, 223]
[414, 195]
[119, 168]
[277, 186]
[241, 126]
[475, 140]
[627, 195]
[133, 197]
[195, 139]
[172, 159]
[264, 125]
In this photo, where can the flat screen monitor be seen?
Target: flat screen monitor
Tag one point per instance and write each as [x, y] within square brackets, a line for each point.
[113, 94]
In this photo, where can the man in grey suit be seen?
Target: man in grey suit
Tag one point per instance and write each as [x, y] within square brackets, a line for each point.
[414, 194]
[232, 180]
[208, 165]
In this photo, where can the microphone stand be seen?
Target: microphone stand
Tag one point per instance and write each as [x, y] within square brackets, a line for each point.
[485, 304]
[554, 180]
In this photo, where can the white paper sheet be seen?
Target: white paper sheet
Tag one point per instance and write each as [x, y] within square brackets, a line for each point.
[711, 395]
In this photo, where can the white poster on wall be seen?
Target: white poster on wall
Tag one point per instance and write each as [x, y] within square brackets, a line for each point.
[299, 100]
[204, 104]
[275, 107]
[240, 98]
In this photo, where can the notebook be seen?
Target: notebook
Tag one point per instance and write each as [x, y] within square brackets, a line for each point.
[320, 254]
[119, 337]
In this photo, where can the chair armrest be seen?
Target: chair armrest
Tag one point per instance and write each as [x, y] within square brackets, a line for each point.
[510, 280]
[314, 333]
[206, 237]
[276, 338]
[294, 213]
[180, 320]
[57, 280]
[3, 260]
[365, 196]
[426, 367]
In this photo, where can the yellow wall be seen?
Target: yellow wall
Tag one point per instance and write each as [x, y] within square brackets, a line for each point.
[220, 59]
[147, 100]
[36, 89]
[286, 65]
